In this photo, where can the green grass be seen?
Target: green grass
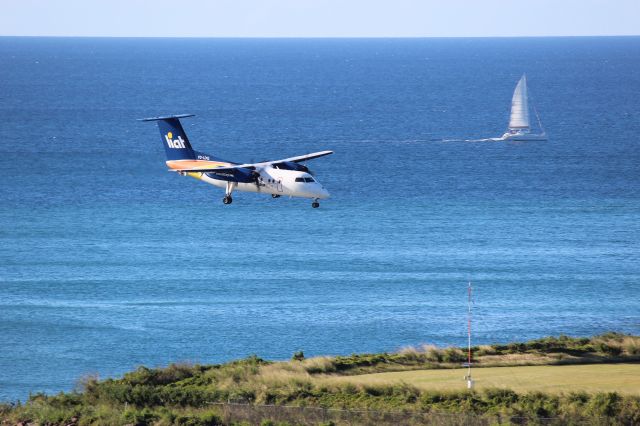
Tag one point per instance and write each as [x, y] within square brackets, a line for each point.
[621, 378]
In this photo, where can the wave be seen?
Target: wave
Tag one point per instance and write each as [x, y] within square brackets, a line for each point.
[473, 140]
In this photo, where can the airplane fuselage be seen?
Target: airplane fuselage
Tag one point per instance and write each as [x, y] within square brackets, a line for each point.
[271, 181]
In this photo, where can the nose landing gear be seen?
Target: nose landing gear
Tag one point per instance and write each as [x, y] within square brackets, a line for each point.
[227, 199]
[315, 204]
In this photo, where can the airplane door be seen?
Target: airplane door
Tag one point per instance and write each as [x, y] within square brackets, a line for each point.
[279, 185]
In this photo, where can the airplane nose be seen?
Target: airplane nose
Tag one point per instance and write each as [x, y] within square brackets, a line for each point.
[324, 193]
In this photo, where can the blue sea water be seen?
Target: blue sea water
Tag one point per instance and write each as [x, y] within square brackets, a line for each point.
[108, 262]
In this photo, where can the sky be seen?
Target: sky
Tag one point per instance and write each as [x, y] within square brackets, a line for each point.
[319, 18]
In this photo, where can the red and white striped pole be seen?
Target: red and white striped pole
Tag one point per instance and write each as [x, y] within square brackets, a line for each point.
[469, 379]
[469, 327]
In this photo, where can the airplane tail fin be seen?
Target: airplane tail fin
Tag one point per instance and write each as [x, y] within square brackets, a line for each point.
[175, 141]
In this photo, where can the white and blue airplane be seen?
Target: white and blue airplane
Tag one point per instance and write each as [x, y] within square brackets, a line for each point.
[278, 178]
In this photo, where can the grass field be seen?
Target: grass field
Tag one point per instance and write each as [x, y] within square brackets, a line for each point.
[621, 378]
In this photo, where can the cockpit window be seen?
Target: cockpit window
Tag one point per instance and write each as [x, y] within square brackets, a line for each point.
[305, 179]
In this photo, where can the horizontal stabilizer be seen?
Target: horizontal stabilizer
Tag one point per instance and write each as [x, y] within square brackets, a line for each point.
[166, 117]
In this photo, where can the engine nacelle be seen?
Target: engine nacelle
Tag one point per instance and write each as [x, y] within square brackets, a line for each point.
[290, 165]
[235, 175]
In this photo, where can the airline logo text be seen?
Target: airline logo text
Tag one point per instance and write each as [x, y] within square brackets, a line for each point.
[174, 143]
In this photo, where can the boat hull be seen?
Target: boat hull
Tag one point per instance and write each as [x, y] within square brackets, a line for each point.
[523, 137]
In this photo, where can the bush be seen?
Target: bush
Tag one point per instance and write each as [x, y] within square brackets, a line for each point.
[298, 356]
[410, 353]
[269, 422]
[538, 405]
[500, 397]
[629, 411]
[516, 348]
[486, 350]
[603, 404]
[631, 345]
[207, 419]
[319, 365]
[608, 349]
[142, 417]
[432, 353]
[453, 355]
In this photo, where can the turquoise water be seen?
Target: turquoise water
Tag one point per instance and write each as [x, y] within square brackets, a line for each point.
[108, 262]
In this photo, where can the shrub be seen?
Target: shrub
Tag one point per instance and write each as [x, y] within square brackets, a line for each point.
[609, 349]
[432, 353]
[269, 422]
[409, 353]
[206, 419]
[611, 335]
[5, 408]
[603, 404]
[486, 350]
[319, 365]
[142, 417]
[631, 345]
[538, 404]
[349, 389]
[500, 397]
[453, 355]
[298, 356]
[515, 348]
[629, 410]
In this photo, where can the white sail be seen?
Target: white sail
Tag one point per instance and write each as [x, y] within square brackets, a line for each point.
[520, 106]
[519, 124]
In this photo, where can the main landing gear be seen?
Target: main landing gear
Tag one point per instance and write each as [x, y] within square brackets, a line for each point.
[227, 197]
[315, 204]
[275, 195]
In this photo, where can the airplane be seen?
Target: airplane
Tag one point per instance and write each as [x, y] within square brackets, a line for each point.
[278, 178]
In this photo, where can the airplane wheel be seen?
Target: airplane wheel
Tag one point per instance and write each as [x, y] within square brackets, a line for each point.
[227, 199]
[315, 204]
[275, 196]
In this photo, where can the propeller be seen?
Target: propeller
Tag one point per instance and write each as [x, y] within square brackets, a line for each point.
[256, 178]
[255, 175]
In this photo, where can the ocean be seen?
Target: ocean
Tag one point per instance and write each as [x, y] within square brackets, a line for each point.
[107, 261]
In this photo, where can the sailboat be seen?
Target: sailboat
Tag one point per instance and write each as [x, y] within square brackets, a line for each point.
[519, 125]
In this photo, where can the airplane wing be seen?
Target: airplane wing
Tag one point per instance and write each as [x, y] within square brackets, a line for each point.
[214, 169]
[303, 157]
[252, 166]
